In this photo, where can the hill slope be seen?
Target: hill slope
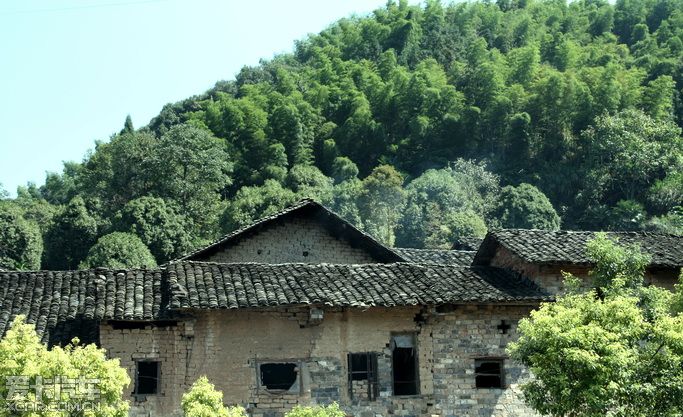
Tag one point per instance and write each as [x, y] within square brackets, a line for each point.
[420, 124]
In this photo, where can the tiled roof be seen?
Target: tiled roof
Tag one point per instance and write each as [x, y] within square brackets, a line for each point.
[57, 300]
[202, 285]
[436, 256]
[307, 207]
[65, 304]
[467, 243]
[569, 247]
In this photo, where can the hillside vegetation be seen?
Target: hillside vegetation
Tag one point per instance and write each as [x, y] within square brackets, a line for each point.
[419, 124]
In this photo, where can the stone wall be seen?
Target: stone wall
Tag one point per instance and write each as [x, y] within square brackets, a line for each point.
[461, 337]
[228, 347]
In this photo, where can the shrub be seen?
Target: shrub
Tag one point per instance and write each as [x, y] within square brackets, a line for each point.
[23, 356]
[203, 400]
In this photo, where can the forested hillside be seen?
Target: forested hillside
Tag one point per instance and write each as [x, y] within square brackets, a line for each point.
[419, 124]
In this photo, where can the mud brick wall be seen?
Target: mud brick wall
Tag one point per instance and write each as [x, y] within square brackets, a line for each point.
[300, 240]
[228, 346]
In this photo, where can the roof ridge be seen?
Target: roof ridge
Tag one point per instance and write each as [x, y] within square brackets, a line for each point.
[373, 264]
[614, 232]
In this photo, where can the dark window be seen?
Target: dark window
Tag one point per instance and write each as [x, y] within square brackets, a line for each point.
[363, 376]
[404, 364]
[489, 373]
[147, 378]
[278, 376]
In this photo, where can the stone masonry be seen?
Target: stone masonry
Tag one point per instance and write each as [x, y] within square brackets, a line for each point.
[228, 346]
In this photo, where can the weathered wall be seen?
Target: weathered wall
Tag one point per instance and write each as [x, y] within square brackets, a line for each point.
[227, 346]
[165, 344]
[299, 240]
[459, 338]
[550, 277]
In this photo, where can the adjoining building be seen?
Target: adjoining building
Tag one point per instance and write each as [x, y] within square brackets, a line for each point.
[301, 307]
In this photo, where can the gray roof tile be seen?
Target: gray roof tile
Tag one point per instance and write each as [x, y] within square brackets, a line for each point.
[252, 285]
[436, 256]
[63, 304]
[569, 247]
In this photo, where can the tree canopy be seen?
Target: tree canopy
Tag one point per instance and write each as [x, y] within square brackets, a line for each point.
[119, 250]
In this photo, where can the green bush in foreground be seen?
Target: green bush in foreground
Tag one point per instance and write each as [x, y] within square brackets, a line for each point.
[203, 400]
[616, 350]
[30, 373]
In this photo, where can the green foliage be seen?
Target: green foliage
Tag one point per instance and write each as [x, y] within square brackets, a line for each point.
[22, 245]
[118, 250]
[331, 410]
[308, 182]
[626, 154]
[251, 203]
[440, 205]
[193, 169]
[203, 400]
[70, 236]
[526, 207]
[615, 351]
[615, 266]
[159, 226]
[381, 202]
[22, 354]
[343, 169]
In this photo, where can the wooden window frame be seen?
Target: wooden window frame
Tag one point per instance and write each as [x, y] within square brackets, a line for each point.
[370, 373]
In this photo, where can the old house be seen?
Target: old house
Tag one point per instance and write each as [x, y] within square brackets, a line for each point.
[301, 307]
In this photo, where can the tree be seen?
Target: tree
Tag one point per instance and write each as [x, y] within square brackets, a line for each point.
[22, 244]
[613, 350]
[119, 250]
[627, 215]
[165, 232]
[308, 181]
[22, 355]
[343, 169]
[381, 202]
[203, 400]
[526, 207]
[193, 169]
[434, 198]
[115, 173]
[251, 203]
[345, 198]
[626, 153]
[70, 236]
[128, 125]
[428, 198]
